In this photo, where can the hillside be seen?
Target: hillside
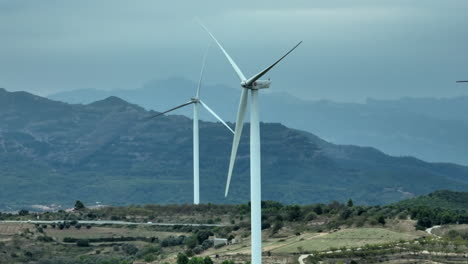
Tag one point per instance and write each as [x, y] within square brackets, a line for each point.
[439, 199]
[53, 152]
[433, 129]
[333, 233]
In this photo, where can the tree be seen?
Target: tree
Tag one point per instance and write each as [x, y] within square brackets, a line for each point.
[293, 212]
[350, 203]
[182, 258]
[203, 235]
[381, 220]
[191, 241]
[23, 212]
[79, 205]
[207, 260]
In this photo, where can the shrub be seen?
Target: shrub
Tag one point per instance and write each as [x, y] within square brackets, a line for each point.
[182, 258]
[129, 249]
[198, 249]
[311, 216]
[207, 244]
[45, 238]
[207, 260]
[82, 243]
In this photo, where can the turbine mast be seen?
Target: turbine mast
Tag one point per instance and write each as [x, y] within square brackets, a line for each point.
[196, 158]
[255, 180]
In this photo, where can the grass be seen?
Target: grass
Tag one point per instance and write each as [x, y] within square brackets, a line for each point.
[446, 228]
[345, 238]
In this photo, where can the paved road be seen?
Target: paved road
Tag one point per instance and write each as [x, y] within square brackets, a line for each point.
[302, 257]
[110, 222]
[429, 230]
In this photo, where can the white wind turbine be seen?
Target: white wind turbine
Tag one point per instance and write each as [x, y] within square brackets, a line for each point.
[253, 84]
[196, 160]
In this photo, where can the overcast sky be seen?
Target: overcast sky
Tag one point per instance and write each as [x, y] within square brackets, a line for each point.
[352, 50]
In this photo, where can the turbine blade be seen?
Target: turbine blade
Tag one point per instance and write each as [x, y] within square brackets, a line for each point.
[461, 81]
[231, 61]
[215, 115]
[237, 135]
[202, 69]
[172, 109]
[260, 74]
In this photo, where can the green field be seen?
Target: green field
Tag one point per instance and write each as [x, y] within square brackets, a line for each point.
[345, 238]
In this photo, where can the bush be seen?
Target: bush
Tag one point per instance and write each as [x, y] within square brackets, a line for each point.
[207, 244]
[182, 258]
[381, 220]
[311, 216]
[149, 250]
[45, 238]
[191, 242]
[82, 243]
[129, 249]
[207, 260]
[198, 249]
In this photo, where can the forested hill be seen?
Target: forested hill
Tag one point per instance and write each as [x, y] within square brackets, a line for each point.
[106, 151]
[439, 199]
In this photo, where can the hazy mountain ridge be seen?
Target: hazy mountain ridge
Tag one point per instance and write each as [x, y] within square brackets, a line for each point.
[106, 151]
[433, 129]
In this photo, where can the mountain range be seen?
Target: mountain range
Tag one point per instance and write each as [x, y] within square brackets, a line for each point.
[108, 151]
[432, 129]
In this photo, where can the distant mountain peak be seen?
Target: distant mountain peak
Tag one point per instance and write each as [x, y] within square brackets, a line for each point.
[113, 102]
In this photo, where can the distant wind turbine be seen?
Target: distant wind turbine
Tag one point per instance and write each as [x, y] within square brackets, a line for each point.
[253, 84]
[196, 101]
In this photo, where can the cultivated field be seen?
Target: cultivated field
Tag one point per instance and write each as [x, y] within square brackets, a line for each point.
[107, 232]
[344, 238]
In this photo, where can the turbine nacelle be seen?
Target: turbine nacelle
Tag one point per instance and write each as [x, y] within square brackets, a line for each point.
[258, 84]
[194, 100]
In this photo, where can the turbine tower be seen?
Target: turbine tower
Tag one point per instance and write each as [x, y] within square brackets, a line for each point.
[253, 84]
[196, 161]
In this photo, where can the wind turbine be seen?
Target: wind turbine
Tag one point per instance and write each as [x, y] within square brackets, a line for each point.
[253, 84]
[196, 160]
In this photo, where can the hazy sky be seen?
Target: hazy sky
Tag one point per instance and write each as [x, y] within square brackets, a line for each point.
[352, 49]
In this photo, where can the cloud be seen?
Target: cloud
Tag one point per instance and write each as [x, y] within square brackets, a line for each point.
[352, 49]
